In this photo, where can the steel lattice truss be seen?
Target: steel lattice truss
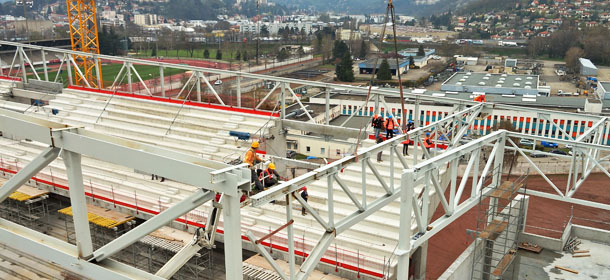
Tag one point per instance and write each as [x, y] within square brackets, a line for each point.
[422, 182]
[83, 35]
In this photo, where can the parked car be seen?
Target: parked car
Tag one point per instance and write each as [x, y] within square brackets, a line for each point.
[558, 152]
[537, 155]
[526, 142]
[548, 144]
[291, 154]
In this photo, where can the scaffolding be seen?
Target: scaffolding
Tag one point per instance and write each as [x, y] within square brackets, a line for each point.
[105, 225]
[27, 206]
[154, 250]
[500, 219]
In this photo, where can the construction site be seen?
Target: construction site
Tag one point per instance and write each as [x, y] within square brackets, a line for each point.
[116, 176]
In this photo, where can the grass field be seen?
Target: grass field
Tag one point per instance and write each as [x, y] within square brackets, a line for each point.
[110, 71]
[227, 52]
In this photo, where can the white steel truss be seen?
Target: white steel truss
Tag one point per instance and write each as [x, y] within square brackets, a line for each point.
[415, 226]
[210, 176]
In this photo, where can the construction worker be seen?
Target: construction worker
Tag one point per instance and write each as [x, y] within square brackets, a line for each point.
[377, 124]
[305, 197]
[405, 144]
[380, 153]
[390, 125]
[427, 144]
[480, 98]
[269, 176]
[251, 159]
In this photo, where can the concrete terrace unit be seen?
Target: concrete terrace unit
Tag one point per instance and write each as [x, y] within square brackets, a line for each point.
[493, 83]
[603, 90]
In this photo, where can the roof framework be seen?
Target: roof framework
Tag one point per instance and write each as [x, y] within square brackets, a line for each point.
[72, 142]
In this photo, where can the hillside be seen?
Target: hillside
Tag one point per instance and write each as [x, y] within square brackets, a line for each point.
[407, 7]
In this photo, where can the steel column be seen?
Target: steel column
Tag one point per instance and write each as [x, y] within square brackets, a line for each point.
[232, 237]
[404, 233]
[72, 161]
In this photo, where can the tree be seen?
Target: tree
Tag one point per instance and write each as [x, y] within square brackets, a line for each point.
[219, 54]
[301, 51]
[339, 49]
[153, 53]
[206, 53]
[282, 55]
[411, 62]
[420, 51]
[363, 50]
[264, 31]
[572, 56]
[384, 73]
[245, 56]
[238, 56]
[344, 69]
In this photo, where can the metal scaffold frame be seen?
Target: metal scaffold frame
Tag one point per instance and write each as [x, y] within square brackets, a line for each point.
[72, 142]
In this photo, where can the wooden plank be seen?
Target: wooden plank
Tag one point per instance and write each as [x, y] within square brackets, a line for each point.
[566, 269]
[581, 256]
[504, 263]
[506, 190]
[172, 234]
[120, 218]
[26, 192]
[530, 247]
[493, 230]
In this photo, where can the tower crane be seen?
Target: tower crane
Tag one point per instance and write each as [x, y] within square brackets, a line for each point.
[83, 36]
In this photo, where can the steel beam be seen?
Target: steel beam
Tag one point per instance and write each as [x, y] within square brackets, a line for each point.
[72, 161]
[404, 233]
[64, 255]
[179, 259]
[38, 163]
[191, 202]
[310, 263]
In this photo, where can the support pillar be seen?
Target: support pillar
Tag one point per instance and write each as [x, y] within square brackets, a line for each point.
[162, 77]
[232, 237]
[72, 161]
[407, 183]
[239, 91]
[327, 111]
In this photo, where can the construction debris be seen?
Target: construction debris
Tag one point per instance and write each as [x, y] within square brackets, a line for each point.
[580, 256]
[567, 269]
[571, 245]
[581, 251]
[530, 247]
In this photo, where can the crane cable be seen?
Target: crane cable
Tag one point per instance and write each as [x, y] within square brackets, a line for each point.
[389, 11]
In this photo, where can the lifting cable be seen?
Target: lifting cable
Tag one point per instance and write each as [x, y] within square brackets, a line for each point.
[389, 13]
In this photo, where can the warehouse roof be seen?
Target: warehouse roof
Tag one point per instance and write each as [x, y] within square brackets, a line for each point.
[587, 63]
[493, 80]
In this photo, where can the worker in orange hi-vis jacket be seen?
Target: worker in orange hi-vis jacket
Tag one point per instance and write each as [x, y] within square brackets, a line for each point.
[390, 125]
[480, 98]
[251, 159]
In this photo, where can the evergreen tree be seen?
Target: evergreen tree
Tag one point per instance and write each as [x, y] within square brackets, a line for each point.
[245, 56]
[282, 55]
[384, 73]
[363, 50]
[219, 54]
[206, 53]
[344, 69]
[238, 56]
[420, 51]
[339, 49]
[411, 62]
[153, 53]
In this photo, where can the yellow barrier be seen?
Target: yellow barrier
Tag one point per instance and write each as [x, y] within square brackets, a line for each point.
[98, 220]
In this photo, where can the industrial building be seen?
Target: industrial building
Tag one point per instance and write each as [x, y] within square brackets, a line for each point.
[368, 66]
[587, 68]
[603, 90]
[136, 183]
[508, 84]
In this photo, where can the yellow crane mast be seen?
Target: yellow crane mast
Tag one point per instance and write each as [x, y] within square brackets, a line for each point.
[84, 38]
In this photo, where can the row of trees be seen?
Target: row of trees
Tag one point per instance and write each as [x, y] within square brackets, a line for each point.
[592, 43]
